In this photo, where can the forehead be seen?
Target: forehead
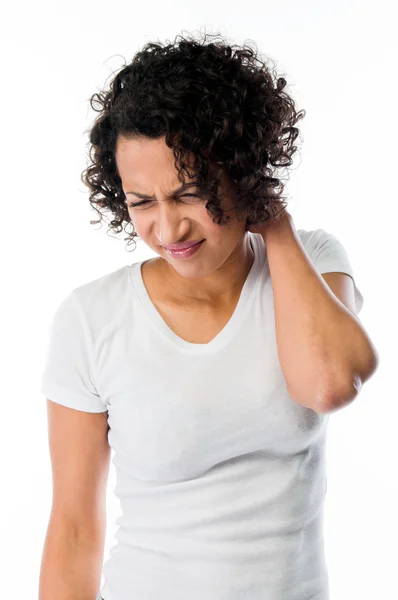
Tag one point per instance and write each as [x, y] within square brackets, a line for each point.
[144, 162]
[142, 154]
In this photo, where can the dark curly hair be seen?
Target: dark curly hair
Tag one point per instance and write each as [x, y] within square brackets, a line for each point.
[216, 102]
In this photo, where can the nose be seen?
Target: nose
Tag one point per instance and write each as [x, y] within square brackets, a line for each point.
[173, 226]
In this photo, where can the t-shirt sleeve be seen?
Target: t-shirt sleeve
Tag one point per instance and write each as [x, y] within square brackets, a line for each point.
[68, 376]
[328, 254]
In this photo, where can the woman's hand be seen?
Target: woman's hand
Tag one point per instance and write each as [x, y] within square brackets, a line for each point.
[271, 224]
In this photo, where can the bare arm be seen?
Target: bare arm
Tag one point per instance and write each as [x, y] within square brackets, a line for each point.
[324, 350]
[74, 544]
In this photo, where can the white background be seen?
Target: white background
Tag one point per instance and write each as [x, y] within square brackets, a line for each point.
[339, 59]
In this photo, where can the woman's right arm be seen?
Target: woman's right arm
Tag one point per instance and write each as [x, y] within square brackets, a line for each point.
[73, 550]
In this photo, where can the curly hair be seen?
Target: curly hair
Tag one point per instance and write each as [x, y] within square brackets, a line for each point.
[219, 103]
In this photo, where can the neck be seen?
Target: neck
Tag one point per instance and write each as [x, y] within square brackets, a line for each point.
[220, 287]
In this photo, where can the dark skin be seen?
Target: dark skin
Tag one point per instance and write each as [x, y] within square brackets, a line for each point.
[215, 274]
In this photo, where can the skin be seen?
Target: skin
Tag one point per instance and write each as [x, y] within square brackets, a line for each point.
[214, 275]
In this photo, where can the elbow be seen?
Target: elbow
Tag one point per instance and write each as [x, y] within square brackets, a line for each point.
[332, 395]
[338, 398]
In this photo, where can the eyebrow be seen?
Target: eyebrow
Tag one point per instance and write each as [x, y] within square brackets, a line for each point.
[183, 187]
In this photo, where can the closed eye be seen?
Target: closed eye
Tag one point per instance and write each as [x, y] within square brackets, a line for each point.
[135, 204]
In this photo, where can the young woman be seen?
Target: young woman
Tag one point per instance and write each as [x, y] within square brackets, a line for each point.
[211, 369]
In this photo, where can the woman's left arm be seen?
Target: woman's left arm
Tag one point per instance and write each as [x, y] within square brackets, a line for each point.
[325, 353]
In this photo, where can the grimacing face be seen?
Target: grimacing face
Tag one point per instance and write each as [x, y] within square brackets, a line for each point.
[146, 166]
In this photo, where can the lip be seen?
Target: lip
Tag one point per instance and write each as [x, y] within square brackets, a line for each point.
[187, 253]
[184, 246]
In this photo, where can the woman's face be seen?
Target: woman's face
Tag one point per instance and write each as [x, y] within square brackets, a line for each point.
[169, 216]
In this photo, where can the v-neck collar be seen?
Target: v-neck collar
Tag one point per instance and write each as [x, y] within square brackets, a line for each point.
[229, 330]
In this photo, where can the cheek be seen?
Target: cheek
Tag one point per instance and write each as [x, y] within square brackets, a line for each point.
[146, 229]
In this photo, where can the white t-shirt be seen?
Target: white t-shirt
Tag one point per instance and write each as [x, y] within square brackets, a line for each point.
[220, 474]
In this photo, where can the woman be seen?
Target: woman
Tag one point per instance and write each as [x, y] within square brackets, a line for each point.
[200, 367]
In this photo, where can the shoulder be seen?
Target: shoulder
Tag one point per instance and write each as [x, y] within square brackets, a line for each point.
[103, 288]
[100, 300]
[331, 260]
